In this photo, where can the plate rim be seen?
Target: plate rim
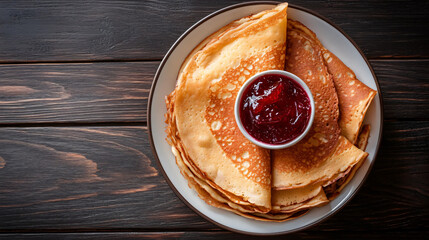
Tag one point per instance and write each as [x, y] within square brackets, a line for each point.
[155, 81]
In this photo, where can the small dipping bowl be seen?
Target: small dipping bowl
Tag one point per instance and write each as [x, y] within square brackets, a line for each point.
[285, 75]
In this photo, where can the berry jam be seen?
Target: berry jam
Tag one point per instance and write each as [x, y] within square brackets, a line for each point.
[274, 109]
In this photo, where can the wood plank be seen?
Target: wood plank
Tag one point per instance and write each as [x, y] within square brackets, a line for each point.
[219, 235]
[93, 178]
[404, 85]
[128, 30]
[85, 178]
[118, 91]
[91, 92]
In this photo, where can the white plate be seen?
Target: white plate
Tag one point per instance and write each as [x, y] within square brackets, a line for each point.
[164, 82]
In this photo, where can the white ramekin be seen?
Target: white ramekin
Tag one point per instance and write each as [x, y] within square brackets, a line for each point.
[238, 101]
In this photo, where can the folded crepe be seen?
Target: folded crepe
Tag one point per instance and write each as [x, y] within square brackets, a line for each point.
[324, 153]
[353, 95]
[296, 199]
[354, 98]
[292, 200]
[225, 168]
[334, 188]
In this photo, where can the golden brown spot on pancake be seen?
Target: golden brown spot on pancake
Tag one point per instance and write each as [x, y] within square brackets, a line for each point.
[216, 125]
[204, 141]
[246, 164]
[226, 95]
[215, 80]
[242, 153]
[214, 88]
[323, 79]
[230, 86]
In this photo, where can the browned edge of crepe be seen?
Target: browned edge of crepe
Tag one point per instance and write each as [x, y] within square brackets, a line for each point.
[334, 188]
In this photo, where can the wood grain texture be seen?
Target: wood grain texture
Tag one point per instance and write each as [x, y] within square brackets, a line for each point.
[88, 69]
[85, 178]
[217, 235]
[106, 178]
[118, 91]
[75, 92]
[405, 88]
[129, 30]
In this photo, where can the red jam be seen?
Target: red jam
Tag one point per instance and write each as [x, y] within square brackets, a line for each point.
[274, 109]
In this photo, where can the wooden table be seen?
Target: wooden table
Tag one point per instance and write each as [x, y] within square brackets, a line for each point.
[75, 159]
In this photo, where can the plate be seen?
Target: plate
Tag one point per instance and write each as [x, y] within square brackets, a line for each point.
[164, 82]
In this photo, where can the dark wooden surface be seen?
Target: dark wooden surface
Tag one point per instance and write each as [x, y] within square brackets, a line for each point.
[75, 160]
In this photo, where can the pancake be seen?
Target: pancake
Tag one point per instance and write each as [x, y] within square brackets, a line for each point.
[334, 188]
[292, 200]
[293, 196]
[354, 99]
[215, 200]
[226, 169]
[317, 201]
[324, 153]
[362, 142]
[354, 96]
[210, 195]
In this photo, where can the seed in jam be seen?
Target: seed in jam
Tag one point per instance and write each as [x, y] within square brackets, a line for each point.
[274, 109]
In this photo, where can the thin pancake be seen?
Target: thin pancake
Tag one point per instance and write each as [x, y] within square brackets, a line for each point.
[354, 96]
[317, 201]
[199, 185]
[204, 129]
[362, 142]
[190, 172]
[216, 199]
[323, 153]
[333, 188]
[292, 196]
[293, 200]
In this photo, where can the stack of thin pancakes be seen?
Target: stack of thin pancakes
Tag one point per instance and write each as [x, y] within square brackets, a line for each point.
[227, 170]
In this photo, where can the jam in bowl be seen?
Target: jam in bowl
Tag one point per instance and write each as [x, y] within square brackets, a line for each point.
[274, 109]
